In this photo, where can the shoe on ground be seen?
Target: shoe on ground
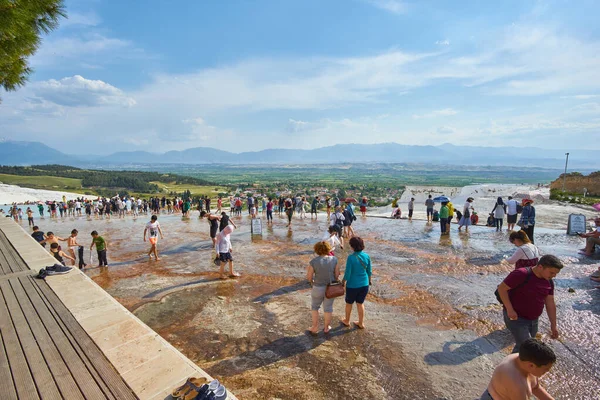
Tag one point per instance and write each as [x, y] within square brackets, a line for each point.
[58, 269]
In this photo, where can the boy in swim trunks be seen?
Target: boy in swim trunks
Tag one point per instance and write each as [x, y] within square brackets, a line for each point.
[153, 229]
[73, 245]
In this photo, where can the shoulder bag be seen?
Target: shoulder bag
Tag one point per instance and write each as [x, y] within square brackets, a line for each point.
[335, 288]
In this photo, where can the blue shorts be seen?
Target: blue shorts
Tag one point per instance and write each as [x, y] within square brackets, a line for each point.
[357, 295]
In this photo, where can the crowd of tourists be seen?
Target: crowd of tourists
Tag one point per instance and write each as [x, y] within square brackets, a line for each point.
[524, 294]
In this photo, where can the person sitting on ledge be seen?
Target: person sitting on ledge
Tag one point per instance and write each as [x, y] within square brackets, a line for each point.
[491, 221]
[591, 239]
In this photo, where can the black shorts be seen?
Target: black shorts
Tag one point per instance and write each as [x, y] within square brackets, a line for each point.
[511, 219]
[338, 229]
[357, 295]
[225, 257]
[213, 231]
[410, 213]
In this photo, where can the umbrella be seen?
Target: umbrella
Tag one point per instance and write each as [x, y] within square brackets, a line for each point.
[441, 199]
[349, 200]
[596, 206]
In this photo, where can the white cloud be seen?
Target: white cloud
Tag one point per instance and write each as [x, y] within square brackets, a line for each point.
[295, 126]
[446, 130]
[444, 42]
[195, 129]
[446, 112]
[81, 19]
[76, 91]
[393, 6]
[581, 96]
[90, 50]
[586, 108]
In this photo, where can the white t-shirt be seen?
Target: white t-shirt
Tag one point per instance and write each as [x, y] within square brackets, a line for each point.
[511, 207]
[223, 244]
[525, 252]
[332, 240]
[77, 204]
[152, 228]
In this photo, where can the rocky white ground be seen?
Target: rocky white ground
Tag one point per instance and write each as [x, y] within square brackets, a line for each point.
[11, 193]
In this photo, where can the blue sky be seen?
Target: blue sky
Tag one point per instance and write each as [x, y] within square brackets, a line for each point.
[249, 75]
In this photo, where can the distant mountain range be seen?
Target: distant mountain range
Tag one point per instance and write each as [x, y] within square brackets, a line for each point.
[28, 153]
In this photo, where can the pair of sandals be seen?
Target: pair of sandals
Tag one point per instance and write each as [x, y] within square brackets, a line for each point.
[198, 389]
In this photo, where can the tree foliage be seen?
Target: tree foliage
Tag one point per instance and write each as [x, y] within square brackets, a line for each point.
[22, 22]
[137, 181]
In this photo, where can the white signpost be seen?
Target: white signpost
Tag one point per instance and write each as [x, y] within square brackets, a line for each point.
[577, 224]
[256, 227]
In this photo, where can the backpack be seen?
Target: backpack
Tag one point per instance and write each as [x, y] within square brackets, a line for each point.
[519, 208]
[338, 220]
[529, 273]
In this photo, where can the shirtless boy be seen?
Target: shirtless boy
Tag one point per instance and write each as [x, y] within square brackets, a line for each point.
[73, 245]
[517, 376]
[51, 238]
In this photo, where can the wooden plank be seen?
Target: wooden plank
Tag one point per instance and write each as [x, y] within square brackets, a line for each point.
[5, 250]
[15, 262]
[16, 275]
[7, 385]
[4, 264]
[78, 349]
[48, 336]
[22, 378]
[20, 264]
[105, 369]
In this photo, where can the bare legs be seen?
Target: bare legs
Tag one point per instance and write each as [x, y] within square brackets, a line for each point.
[231, 273]
[72, 253]
[153, 250]
[361, 315]
[315, 322]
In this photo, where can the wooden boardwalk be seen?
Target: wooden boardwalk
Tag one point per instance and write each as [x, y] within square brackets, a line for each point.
[44, 351]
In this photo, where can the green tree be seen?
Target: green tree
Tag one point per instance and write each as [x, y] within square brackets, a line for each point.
[22, 23]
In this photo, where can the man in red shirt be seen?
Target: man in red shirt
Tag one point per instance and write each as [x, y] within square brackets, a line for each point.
[524, 293]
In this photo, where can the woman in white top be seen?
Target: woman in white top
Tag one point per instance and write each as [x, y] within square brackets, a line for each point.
[499, 212]
[331, 238]
[526, 255]
[466, 217]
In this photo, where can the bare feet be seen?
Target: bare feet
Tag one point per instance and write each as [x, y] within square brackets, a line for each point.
[313, 331]
[234, 275]
[344, 322]
[222, 277]
[157, 259]
[359, 326]
[585, 253]
[327, 329]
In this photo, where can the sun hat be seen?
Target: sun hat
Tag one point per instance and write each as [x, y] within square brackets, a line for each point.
[526, 200]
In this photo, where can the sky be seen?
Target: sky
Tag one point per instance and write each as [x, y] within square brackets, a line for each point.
[243, 75]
